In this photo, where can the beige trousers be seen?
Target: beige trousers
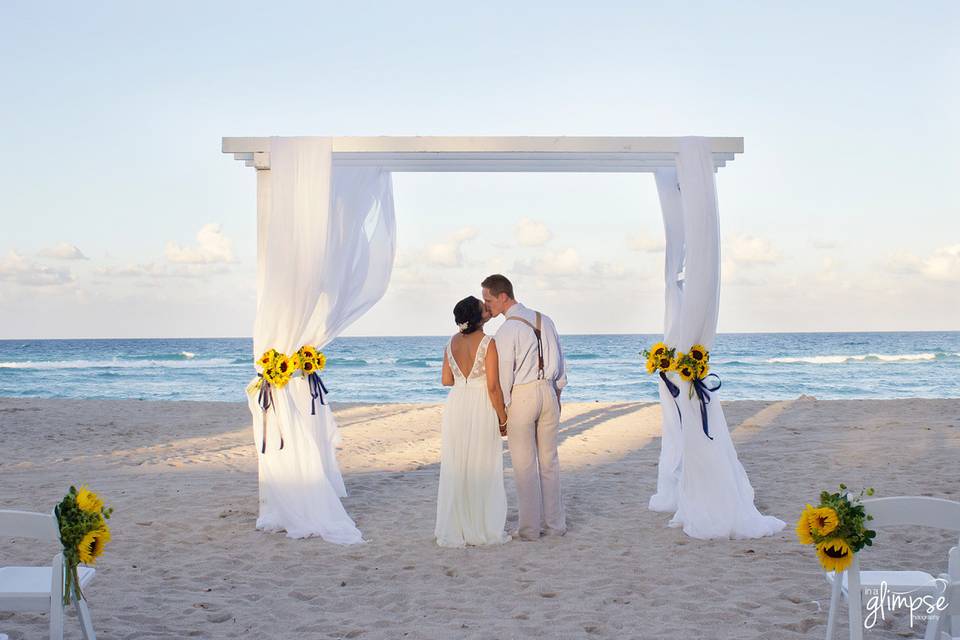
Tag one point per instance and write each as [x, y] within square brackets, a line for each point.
[532, 421]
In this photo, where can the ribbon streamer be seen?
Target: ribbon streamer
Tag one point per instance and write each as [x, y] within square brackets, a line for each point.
[265, 400]
[703, 390]
[317, 389]
[675, 392]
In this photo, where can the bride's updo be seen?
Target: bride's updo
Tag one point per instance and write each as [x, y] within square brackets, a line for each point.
[468, 315]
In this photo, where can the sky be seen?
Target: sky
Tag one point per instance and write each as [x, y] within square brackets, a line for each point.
[121, 218]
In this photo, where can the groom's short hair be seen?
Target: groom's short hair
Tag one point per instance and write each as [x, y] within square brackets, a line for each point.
[497, 284]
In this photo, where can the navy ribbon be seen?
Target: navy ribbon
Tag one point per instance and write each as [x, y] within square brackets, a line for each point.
[317, 389]
[265, 400]
[703, 388]
[674, 391]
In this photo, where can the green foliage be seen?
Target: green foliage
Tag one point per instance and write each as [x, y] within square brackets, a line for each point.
[852, 517]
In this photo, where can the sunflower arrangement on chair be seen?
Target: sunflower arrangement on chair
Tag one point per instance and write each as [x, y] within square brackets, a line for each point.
[836, 527]
[81, 518]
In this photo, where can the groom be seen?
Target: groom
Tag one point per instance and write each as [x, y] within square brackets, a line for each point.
[532, 377]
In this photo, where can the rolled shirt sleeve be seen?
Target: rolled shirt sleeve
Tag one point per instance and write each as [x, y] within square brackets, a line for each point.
[561, 376]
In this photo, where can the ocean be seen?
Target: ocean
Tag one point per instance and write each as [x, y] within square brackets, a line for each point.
[767, 366]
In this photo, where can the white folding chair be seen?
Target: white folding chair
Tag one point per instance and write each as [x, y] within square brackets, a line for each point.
[904, 510]
[40, 588]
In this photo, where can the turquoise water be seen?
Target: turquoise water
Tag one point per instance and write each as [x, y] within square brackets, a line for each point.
[407, 369]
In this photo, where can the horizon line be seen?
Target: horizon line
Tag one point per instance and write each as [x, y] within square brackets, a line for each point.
[639, 333]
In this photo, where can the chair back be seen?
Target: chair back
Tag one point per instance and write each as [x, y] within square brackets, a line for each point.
[920, 511]
[26, 524]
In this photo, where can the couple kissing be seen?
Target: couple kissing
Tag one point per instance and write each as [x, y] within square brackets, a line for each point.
[503, 385]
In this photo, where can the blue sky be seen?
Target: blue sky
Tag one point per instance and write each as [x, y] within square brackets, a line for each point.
[121, 218]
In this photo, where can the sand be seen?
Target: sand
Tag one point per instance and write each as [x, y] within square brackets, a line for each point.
[186, 561]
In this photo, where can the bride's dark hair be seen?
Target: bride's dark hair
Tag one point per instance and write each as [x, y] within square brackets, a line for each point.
[468, 315]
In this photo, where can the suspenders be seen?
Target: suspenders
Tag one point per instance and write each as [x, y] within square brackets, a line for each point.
[536, 332]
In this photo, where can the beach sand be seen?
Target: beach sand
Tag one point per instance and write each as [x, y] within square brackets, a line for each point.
[186, 561]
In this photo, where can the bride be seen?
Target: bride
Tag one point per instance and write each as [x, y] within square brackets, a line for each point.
[471, 500]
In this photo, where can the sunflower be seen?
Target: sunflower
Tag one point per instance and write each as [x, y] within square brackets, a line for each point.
[804, 531]
[279, 374]
[89, 501]
[703, 370]
[664, 362]
[834, 554]
[307, 352]
[823, 521]
[658, 349]
[308, 366]
[651, 364]
[267, 359]
[321, 361]
[686, 372]
[699, 353]
[91, 546]
[294, 363]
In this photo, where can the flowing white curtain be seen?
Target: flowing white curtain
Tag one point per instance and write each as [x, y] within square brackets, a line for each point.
[327, 239]
[668, 469]
[714, 498]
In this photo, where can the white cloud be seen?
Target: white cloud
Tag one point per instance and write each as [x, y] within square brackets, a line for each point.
[565, 262]
[154, 270]
[943, 265]
[745, 249]
[609, 270]
[449, 253]
[645, 242]
[212, 247]
[63, 251]
[19, 270]
[531, 233]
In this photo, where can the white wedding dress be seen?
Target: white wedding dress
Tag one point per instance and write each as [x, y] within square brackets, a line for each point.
[471, 500]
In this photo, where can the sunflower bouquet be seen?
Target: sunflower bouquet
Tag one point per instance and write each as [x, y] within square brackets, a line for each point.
[836, 527]
[82, 518]
[659, 357]
[694, 364]
[278, 368]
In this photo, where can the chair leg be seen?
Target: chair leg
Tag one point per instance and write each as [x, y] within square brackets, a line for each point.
[854, 602]
[56, 619]
[834, 602]
[932, 632]
[86, 624]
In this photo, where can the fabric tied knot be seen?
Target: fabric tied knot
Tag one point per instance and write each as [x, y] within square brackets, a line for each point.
[703, 387]
[265, 400]
[317, 389]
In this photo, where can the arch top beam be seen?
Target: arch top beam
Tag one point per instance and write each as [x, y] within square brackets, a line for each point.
[516, 153]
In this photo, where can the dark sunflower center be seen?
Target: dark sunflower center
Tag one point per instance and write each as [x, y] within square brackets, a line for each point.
[834, 552]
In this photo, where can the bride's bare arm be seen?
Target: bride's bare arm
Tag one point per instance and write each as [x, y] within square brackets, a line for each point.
[446, 376]
[493, 382]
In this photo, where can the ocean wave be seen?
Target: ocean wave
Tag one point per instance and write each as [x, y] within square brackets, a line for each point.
[419, 362]
[582, 356]
[181, 355]
[869, 357]
[346, 362]
[116, 364]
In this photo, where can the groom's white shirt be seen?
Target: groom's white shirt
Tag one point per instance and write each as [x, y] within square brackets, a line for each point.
[517, 350]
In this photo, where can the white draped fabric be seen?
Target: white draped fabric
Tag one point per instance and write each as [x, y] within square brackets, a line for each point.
[700, 479]
[327, 240]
